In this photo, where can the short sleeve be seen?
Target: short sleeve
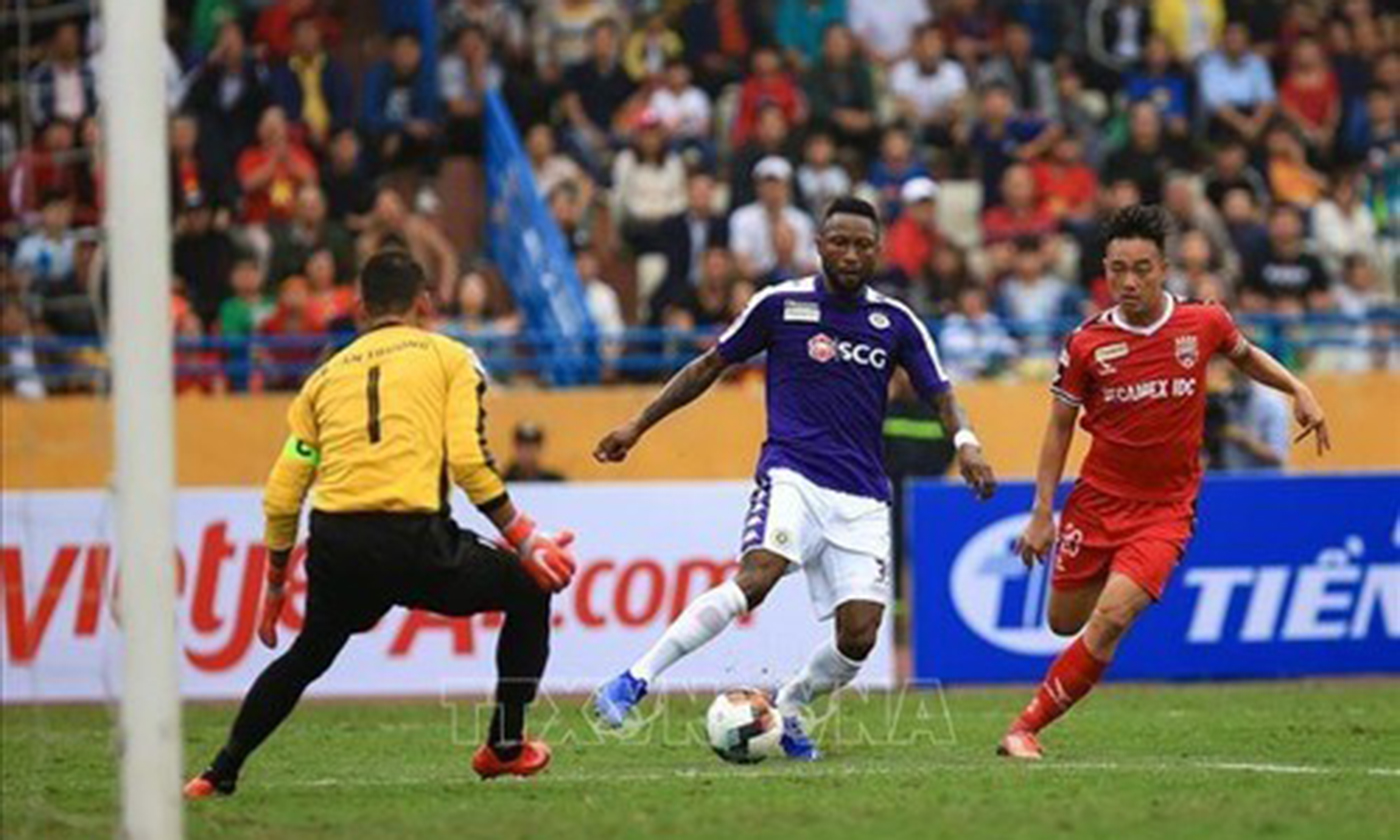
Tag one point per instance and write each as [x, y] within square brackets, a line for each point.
[1071, 383]
[748, 335]
[918, 355]
[1229, 340]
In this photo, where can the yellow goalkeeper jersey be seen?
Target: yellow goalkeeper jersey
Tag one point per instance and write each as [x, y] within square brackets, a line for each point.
[383, 425]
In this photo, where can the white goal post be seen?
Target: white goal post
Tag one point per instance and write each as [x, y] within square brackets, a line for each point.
[138, 241]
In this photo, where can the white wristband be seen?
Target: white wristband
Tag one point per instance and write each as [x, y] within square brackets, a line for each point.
[965, 437]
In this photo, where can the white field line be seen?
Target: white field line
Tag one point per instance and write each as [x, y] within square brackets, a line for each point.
[793, 772]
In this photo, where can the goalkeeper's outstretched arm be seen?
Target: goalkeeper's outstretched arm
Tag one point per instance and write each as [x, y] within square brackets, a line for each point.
[683, 388]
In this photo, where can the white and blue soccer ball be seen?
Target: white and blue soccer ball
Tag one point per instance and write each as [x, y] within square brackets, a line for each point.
[743, 726]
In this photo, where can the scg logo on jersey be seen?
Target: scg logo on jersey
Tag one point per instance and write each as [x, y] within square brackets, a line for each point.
[996, 597]
[823, 348]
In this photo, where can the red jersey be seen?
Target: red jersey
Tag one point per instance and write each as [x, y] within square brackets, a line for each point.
[1143, 391]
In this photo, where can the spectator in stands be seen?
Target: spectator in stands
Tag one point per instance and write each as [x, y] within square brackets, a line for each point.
[400, 108]
[720, 37]
[346, 181]
[973, 342]
[500, 20]
[310, 230]
[1065, 185]
[1380, 133]
[972, 30]
[1001, 137]
[707, 304]
[1020, 217]
[19, 359]
[1147, 156]
[552, 169]
[565, 33]
[1083, 110]
[197, 366]
[465, 76]
[772, 138]
[687, 236]
[192, 180]
[604, 307]
[1343, 225]
[576, 220]
[935, 289]
[596, 92]
[840, 92]
[45, 260]
[333, 301]
[1237, 88]
[279, 21]
[820, 178]
[685, 109]
[1029, 80]
[771, 239]
[242, 312]
[477, 313]
[1292, 179]
[312, 86]
[1116, 36]
[1256, 430]
[1249, 236]
[650, 49]
[801, 26]
[913, 236]
[649, 186]
[1361, 293]
[271, 172]
[1161, 81]
[1287, 279]
[1188, 211]
[1231, 170]
[1197, 272]
[769, 84]
[203, 255]
[49, 166]
[887, 29]
[929, 87]
[297, 333]
[390, 223]
[1310, 96]
[527, 457]
[1033, 297]
[896, 166]
[229, 94]
[62, 86]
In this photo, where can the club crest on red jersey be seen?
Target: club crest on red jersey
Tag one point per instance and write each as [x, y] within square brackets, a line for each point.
[1187, 350]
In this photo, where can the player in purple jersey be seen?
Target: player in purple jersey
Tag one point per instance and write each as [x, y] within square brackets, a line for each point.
[821, 500]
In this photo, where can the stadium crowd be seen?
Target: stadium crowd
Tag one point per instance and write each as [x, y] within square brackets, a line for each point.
[685, 147]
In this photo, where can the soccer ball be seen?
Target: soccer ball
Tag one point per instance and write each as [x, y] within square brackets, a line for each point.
[743, 726]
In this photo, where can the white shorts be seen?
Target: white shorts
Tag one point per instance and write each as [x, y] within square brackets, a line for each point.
[840, 540]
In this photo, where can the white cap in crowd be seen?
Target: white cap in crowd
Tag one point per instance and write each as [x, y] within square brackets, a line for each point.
[773, 167]
[918, 189]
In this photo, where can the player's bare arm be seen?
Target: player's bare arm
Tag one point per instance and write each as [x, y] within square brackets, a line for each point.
[972, 464]
[683, 388]
[1035, 542]
[1265, 369]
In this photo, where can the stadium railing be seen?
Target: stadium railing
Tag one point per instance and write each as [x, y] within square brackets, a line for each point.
[280, 362]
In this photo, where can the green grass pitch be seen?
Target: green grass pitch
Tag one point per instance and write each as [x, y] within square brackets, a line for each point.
[1312, 759]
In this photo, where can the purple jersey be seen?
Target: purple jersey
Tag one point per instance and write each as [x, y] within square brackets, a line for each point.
[830, 358]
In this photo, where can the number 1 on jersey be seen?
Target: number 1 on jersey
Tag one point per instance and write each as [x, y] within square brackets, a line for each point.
[373, 395]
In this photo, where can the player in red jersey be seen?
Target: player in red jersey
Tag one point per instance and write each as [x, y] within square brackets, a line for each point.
[1138, 372]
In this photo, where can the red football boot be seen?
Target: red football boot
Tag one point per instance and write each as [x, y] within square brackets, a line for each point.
[534, 757]
[206, 786]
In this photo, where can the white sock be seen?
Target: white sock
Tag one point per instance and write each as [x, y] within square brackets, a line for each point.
[826, 671]
[702, 620]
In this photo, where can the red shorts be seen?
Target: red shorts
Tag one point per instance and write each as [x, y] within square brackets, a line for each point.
[1100, 533]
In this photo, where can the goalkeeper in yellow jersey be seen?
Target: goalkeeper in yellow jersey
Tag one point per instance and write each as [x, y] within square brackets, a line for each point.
[380, 429]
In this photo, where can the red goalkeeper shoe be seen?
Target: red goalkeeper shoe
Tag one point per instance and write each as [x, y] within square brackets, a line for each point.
[534, 757]
[1022, 744]
[208, 786]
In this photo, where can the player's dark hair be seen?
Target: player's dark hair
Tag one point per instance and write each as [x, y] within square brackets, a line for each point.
[851, 206]
[390, 281]
[1138, 221]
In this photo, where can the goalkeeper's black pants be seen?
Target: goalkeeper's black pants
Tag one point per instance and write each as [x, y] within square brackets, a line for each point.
[358, 567]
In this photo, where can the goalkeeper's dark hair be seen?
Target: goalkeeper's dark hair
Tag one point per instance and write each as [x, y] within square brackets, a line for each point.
[1138, 221]
[390, 282]
[849, 205]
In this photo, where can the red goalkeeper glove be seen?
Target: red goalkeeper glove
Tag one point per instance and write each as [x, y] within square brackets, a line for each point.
[274, 599]
[547, 559]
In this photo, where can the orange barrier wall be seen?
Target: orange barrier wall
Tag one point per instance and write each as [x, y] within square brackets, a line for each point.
[230, 441]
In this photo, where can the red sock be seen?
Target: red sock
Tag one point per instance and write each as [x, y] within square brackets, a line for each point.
[1071, 677]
